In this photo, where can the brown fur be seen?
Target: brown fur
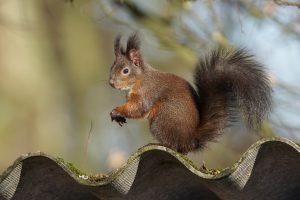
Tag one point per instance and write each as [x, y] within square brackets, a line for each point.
[180, 117]
[154, 111]
[132, 108]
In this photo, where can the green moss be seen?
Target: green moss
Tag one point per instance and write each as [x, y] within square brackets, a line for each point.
[70, 166]
[97, 177]
[91, 178]
[186, 159]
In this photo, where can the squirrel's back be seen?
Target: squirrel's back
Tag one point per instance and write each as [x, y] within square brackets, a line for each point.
[174, 113]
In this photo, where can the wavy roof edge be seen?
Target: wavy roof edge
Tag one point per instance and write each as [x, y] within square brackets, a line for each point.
[82, 178]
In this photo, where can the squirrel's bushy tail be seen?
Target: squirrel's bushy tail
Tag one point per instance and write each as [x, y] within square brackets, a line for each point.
[229, 81]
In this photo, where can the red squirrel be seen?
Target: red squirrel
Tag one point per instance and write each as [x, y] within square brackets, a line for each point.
[181, 117]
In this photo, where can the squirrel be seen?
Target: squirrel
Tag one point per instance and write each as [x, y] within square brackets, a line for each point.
[183, 118]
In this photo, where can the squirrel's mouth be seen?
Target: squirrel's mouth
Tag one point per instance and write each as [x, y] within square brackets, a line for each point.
[121, 88]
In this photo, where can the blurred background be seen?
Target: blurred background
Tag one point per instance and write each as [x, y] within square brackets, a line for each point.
[55, 57]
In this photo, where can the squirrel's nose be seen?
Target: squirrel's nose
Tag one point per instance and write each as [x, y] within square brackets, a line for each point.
[111, 82]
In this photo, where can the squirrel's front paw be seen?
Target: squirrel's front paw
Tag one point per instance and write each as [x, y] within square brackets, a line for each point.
[116, 116]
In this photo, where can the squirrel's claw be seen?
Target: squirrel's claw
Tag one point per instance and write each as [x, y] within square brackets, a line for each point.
[122, 122]
[115, 116]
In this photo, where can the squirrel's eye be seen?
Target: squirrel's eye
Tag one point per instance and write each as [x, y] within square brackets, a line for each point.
[125, 71]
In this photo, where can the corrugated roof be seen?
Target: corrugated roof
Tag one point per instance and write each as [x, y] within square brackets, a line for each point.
[270, 169]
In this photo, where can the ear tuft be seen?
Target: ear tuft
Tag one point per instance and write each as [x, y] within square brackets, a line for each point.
[117, 45]
[133, 42]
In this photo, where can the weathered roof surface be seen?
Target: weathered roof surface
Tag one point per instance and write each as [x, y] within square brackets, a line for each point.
[270, 169]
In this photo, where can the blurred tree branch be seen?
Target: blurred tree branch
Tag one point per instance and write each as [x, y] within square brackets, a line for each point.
[255, 10]
[287, 3]
[159, 25]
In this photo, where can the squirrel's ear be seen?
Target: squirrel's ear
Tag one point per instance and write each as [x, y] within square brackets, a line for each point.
[135, 57]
